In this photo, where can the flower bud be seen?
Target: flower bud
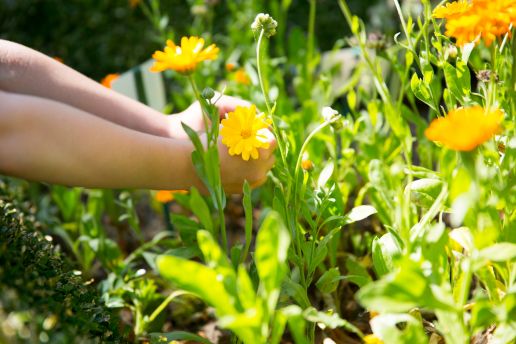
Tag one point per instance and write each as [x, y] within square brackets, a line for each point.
[208, 93]
[307, 165]
[264, 22]
[485, 75]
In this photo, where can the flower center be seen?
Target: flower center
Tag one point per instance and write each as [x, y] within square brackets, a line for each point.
[246, 133]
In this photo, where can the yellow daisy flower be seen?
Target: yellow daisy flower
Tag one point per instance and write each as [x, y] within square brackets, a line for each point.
[183, 58]
[243, 132]
[465, 129]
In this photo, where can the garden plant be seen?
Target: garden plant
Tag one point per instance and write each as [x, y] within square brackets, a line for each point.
[389, 215]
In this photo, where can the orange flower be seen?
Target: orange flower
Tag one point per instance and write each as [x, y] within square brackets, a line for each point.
[108, 80]
[134, 3]
[230, 67]
[465, 129]
[166, 196]
[241, 77]
[183, 58]
[307, 165]
[469, 21]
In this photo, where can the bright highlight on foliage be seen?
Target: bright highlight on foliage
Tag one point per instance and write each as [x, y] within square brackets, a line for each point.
[183, 58]
[243, 132]
[487, 19]
[466, 128]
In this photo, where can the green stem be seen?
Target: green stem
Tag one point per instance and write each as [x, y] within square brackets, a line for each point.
[403, 24]
[164, 304]
[218, 187]
[266, 97]
[310, 42]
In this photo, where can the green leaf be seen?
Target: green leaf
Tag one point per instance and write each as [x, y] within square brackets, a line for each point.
[177, 335]
[272, 244]
[359, 213]
[423, 192]
[458, 79]
[325, 174]
[201, 210]
[421, 91]
[501, 252]
[329, 320]
[398, 329]
[329, 281]
[199, 280]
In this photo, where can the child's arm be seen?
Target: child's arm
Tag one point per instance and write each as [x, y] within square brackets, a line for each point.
[44, 140]
[26, 71]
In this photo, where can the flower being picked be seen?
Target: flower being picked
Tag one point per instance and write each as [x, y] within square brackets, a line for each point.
[243, 131]
[183, 58]
[466, 128]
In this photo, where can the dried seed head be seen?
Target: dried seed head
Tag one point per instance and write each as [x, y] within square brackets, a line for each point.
[376, 40]
[264, 22]
[485, 75]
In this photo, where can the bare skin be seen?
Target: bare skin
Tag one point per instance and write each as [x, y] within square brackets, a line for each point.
[58, 126]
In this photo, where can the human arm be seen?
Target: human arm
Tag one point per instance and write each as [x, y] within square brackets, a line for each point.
[44, 140]
[26, 71]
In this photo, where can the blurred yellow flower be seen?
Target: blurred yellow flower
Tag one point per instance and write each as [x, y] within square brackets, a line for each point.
[109, 79]
[230, 66]
[372, 339]
[241, 77]
[166, 196]
[243, 132]
[183, 58]
[485, 19]
[466, 128]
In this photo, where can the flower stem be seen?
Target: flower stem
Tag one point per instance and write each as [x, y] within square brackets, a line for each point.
[259, 61]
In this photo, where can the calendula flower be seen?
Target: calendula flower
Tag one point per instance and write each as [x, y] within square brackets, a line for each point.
[485, 19]
[109, 79]
[466, 128]
[307, 165]
[183, 58]
[451, 9]
[230, 66]
[243, 131]
[241, 77]
[166, 196]
[372, 339]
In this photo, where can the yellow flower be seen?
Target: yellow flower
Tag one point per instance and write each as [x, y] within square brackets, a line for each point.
[243, 132]
[486, 19]
[166, 196]
[184, 58]
[466, 128]
[230, 67]
[109, 79]
[451, 9]
[241, 77]
[372, 339]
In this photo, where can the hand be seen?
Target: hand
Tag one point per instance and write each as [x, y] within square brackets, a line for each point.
[193, 117]
[234, 170]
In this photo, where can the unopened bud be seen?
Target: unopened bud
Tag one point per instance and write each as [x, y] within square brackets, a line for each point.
[208, 93]
[264, 22]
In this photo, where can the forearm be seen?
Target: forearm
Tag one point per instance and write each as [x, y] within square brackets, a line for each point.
[65, 145]
[26, 71]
